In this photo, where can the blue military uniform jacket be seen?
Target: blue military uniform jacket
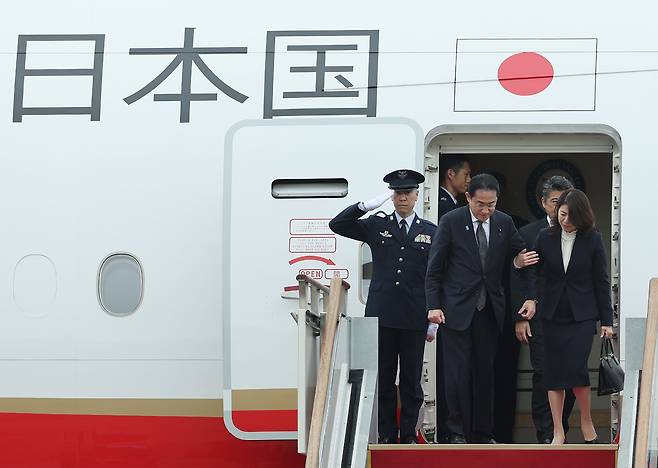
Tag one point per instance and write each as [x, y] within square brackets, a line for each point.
[397, 289]
[446, 202]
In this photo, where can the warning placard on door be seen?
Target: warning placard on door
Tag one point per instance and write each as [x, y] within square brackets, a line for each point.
[312, 245]
[310, 227]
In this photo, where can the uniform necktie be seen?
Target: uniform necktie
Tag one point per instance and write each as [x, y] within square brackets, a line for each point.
[482, 250]
[403, 228]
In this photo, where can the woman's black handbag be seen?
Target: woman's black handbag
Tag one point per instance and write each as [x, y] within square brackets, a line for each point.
[611, 375]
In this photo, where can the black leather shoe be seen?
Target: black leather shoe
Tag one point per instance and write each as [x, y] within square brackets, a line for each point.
[408, 440]
[485, 440]
[457, 439]
[387, 440]
[546, 441]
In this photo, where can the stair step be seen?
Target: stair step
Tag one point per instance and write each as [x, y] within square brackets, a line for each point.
[493, 456]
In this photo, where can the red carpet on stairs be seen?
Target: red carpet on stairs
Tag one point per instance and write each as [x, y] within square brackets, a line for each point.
[487, 456]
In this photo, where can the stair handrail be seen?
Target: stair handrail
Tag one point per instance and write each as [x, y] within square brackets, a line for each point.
[334, 308]
[317, 284]
[643, 424]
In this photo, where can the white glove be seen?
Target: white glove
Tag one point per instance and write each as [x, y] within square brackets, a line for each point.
[431, 332]
[378, 201]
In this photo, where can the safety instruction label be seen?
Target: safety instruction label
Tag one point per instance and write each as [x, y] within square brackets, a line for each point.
[312, 245]
[310, 227]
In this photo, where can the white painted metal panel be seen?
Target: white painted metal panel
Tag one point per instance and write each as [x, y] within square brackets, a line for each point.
[260, 347]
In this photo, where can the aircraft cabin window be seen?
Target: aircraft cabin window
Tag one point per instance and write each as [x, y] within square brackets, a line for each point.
[309, 188]
[120, 284]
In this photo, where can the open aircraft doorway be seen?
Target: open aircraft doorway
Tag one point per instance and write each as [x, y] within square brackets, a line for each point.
[522, 157]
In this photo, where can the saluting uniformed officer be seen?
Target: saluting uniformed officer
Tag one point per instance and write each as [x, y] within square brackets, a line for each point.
[400, 243]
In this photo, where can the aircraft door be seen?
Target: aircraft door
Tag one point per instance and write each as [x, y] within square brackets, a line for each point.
[283, 181]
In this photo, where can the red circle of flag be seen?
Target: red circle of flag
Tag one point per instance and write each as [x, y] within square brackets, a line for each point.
[525, 73]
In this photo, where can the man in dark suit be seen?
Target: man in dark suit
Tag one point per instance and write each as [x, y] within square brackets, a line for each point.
[531, 332]
[454, 176]
[472, 243]
[400, 243]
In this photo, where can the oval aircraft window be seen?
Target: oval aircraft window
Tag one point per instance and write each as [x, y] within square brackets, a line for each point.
[120, 284]
[309, 188]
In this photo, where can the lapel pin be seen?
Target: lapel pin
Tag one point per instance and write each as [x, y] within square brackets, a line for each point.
[468, 228]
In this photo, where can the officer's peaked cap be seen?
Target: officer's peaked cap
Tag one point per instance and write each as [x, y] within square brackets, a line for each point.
[404, 179]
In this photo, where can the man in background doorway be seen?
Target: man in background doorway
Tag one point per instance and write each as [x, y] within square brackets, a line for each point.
[454, 177]
[530, 331]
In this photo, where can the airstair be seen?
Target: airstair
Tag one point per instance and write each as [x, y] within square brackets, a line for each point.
[337, 375]
[337, 399]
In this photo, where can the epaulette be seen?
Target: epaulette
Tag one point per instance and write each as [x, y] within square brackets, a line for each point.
[381, 214]
[427, 221]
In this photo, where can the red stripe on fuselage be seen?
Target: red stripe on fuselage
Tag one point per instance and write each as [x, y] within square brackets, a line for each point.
[90, 441]
[270, 420]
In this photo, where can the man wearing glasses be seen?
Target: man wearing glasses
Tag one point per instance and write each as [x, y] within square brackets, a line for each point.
[530, 331]
[465, 296]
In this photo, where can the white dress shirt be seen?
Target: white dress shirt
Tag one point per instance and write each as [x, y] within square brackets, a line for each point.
[485, 225]
[568, 238]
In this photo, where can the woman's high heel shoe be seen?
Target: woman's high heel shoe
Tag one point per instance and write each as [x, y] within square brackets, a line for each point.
[593, 441]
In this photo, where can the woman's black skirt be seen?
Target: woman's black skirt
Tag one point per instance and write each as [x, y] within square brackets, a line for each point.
[567, 345]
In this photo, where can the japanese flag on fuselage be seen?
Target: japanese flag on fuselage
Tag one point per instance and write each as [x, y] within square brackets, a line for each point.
[498, 75]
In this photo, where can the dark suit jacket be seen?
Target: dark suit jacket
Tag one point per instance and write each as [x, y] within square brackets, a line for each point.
[586, 280]
[529, 235]
[397, 288]
[445, 202]
[455, 250]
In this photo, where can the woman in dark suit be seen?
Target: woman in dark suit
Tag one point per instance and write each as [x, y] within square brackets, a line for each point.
[574, 295]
